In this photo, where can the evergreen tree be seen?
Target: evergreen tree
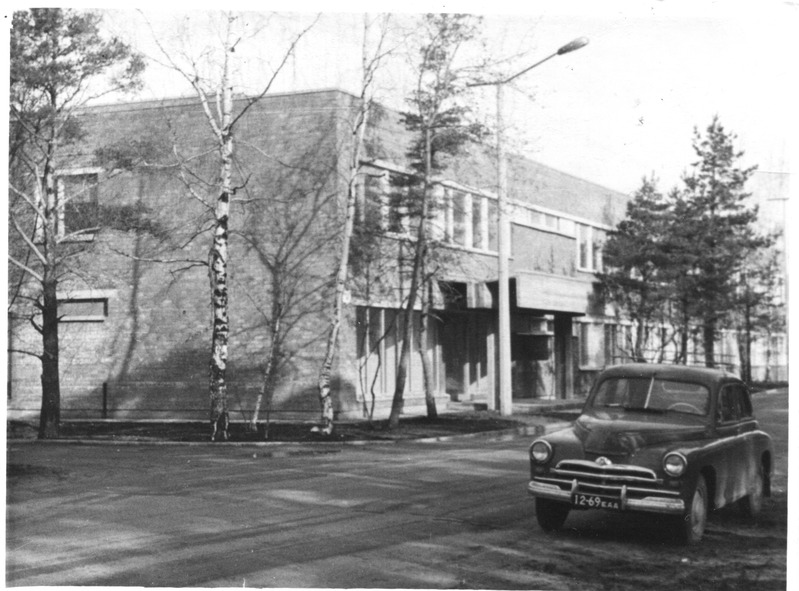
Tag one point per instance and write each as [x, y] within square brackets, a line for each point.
[715, 230]
[58, 61]
[694, 258]
[439, 121]
[637, 264]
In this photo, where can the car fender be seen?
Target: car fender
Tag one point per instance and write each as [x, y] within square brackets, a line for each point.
[728, 464]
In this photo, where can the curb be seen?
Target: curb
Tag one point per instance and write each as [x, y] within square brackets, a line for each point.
[503, 435]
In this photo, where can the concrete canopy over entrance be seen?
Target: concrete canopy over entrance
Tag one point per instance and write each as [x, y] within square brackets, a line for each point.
[543, 351]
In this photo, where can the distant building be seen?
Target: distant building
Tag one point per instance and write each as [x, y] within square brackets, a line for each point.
[135, 331]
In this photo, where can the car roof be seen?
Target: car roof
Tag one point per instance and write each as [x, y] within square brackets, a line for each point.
[702, 375]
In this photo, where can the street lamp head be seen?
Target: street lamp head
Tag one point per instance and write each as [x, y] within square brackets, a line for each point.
[573, 45]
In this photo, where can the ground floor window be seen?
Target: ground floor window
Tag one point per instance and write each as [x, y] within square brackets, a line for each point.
[464, 343]
[379, 334]
[592, 345]
[83, 309]
[608, 342]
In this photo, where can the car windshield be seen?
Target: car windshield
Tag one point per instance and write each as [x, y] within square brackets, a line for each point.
[652, 395]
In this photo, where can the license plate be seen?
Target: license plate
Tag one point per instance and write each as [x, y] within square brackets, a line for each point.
[582, 501]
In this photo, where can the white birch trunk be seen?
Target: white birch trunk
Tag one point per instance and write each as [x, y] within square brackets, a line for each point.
[217, 266]
[358, 131]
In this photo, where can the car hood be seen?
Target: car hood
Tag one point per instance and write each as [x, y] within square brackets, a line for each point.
[614, 433]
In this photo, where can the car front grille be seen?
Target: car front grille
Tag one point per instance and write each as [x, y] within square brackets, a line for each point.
[588, 471]
[586, 477]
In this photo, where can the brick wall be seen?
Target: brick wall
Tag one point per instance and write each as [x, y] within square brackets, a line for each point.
[148, 358]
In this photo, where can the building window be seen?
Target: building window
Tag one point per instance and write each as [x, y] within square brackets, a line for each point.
[83, 310]
[592, 345]
[77, 196]
[397, 211]
[589, 248]
[379, 338]
[470, 220]
[596, 251]
[583, 246]
[550, 221]
[369, 203]
[493, 217]
[478, 221]
[460, 218]
[567, 226]
[385, 199]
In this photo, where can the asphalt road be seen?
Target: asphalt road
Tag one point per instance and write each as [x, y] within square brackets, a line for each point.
[441, 515]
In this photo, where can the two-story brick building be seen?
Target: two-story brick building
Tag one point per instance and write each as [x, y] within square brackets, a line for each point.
[135, 326]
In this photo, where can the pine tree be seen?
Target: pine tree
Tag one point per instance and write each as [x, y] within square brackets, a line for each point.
[716, 230]
[636, 261]
[58, 62]
[440, 123]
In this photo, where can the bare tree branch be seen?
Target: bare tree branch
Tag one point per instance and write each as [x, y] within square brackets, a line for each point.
[289, 52]
[25, 197]
[192, 262]
[25, 268]
[33, 248]
[24, 352]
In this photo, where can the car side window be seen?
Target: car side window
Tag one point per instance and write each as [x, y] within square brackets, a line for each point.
[745, 401]
[728, 407]
[735, 403]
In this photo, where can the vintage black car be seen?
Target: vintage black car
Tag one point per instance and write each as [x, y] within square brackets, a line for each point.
[665, 439]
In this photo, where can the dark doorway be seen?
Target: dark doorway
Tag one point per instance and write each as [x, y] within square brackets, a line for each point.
[530, 355]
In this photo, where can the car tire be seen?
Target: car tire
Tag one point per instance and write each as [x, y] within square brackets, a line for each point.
[694, 520]
[752, 503]
[551, 514]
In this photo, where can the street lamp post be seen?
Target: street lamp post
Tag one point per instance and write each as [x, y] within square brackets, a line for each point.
[503, 232]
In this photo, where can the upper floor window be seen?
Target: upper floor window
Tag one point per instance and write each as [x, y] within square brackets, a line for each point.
[458, 217]
[461, 231]
[77, 196]
[469, 219]
[492, 212]
[384, 200]
[589, 248]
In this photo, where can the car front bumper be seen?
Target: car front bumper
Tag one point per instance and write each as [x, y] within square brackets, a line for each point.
[650, 504]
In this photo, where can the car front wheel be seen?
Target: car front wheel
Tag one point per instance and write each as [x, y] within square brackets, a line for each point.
[692, 527]
[752, 503]
[551, 514]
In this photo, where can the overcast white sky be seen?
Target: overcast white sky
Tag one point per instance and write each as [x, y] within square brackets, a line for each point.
[623, 107]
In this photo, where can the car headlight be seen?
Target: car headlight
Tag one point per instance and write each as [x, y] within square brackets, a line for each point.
[674, 464]
[540, 451]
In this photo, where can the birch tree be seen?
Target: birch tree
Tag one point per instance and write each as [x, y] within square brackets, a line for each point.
[371, 60]
[215, 94]
[59, 61]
